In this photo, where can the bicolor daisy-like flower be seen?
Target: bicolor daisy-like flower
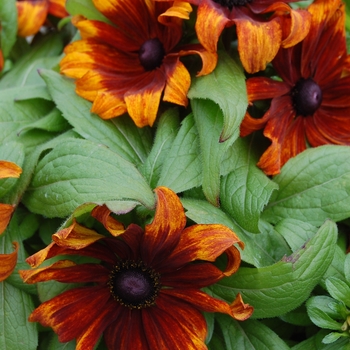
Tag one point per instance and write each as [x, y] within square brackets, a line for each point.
[8, 263]
[32, 14]
[145, 293]
[130, 63]
[262, 27]
[311, 105]
[7, 169]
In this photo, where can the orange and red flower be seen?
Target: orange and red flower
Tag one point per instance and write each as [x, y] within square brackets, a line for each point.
[311, 105]
[127, 65]
[262, 27]
[145, 294]
[32, 14]
[7, 169]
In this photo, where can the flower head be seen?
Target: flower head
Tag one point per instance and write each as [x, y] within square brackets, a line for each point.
[128, 64]
[32, 14]
[311, 105]
[145, 293]
[262, 27]
[7, 169]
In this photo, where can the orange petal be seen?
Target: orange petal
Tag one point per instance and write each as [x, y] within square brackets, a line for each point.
[258, 42]
[9, 169]
[76, 237]
[107, 104]
[31, 16]
[211, 20]
[240, 310]
[102, 214]
[6, 211]
[162, 235]
[8, 262]
[57, 8]
[180, 9]
[177, 84]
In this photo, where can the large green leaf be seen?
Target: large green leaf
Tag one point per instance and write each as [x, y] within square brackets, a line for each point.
[246, 189]
[209, 122]
[277, 289]
[226, 87]
[182, 167]
[313, 186]
[120, 135]
[85, 8]
[8, 25]
[80, 171]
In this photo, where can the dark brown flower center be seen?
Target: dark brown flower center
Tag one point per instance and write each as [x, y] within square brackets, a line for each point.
[306, 96]
[151, 54]
[231, 3]
[134, 285]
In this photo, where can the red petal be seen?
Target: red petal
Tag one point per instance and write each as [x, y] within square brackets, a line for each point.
[57, 8]
[8, 262]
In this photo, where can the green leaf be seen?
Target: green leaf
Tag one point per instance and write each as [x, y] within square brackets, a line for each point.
[167, 128]
[12, 152]
[249, 335]
[313, 186]
[81, 171]
[120, 134]
[277, 289]
[16, 332]
[225, 86]
[338, 289]
[8, 25]
[209, 123]
[320, 313]
[260, 249]
[246, 189]
[55, 344]
[44, 54]
[182, 168]
[85, 8]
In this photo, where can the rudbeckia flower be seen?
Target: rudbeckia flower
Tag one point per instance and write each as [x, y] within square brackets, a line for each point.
[32, 14]
[311, 105]
[8, 263]
[145, 293]
[262, 27]
[7, 169]
[129, 64]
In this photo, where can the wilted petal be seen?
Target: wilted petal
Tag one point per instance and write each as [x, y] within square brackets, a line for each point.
[103, 215]
[6, 211]
[8, 262]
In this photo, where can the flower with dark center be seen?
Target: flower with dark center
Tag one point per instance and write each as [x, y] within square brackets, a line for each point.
[32, 14]
[131, 62]
[145, 293]
[311, 105]
[259, 35]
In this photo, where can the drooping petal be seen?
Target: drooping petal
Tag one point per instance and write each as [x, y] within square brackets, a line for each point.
[202, 242]
[57, 8]
[6, 211]
[211, 20]
[238, 310]
[66, 271]
[258, 42]
[163, 234]
[8, 262]
[9, 169]
[102, 214]
[180, 9]
[177, 84]
[31, 16]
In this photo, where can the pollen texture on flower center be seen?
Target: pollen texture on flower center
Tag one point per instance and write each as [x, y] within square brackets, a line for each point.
[134, 285]
[151, 54]
[231, 3]
[307, 97]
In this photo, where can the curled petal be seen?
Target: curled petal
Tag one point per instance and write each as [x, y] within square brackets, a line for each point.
[240, 310]
[8, 262]
[9, 169]
[233, 260]
[6, 211]
[180, 9]
[31, 16]
[57, 8]
[102, 214]
[76, 237]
